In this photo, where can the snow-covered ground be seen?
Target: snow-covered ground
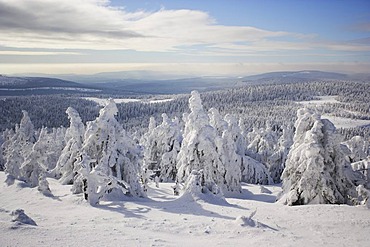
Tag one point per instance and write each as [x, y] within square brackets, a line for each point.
[166, 220]
[322, 100]
[103, 102]
[339, 122]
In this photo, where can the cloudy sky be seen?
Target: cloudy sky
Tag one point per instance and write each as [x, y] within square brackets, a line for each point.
[203, 37]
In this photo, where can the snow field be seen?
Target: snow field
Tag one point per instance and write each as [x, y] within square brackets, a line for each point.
[165, 220]
[339, 122]
[103, 102]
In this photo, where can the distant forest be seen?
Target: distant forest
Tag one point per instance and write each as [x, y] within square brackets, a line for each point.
[256, 106]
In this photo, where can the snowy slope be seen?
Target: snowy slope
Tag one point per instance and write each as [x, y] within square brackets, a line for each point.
[161, 220]
[339, 122]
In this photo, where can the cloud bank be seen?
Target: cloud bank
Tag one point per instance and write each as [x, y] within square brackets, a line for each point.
[93, 24]
[43, 28]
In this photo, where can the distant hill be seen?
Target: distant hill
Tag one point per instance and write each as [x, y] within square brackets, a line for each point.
[40, 85]
[169, 86]
[35, 82]
[304, 74]
[150, 82]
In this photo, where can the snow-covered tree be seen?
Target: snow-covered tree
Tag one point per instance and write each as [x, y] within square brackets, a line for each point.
[149, 141]
[252, 171]
[216, 121]
[363, 167]
[170, 139]
[255, 172]
[111, 152]
[232, 162]
[74, 136]
[43, 185]
[358, 147]
[364, 195]
[56, 143]
[201, 147]
[18, 146]
[262, 146]
[316, 169]
[276, 161]
[4, 148]
[35, 164]
[96, 184]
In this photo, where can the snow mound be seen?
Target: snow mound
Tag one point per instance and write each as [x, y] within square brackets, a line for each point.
[20, 217]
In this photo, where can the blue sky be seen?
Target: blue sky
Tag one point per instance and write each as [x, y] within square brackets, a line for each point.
[195, 37]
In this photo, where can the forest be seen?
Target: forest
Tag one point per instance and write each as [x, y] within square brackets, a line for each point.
[208, 143]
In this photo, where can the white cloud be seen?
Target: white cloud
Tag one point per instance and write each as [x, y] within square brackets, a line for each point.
[92, 24]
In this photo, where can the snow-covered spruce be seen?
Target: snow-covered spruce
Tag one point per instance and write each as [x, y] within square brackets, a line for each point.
[43, 185]
[161, 146]
[252, 171]
[230, 158]
[3, 138]
[195, 190]
[56, 142]
[150, 146]
[359, 148]
[216, 121]
[109, 153]
[276, 162]
[18, 146]
[363, 195]
[255, 172]
[74, 137]
[263, 148]
[35, 163]
[171, 142]
[363, 167]
[96, 184]
[316, 170]
[202, 149]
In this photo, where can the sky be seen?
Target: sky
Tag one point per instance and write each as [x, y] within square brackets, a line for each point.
[195, 37]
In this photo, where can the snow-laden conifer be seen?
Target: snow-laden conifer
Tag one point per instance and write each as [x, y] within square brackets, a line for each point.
[230, 157]
[216, 121]
[35, 163]
[276, 161]
[56, 143]
[252, 171]
[262, 146]
[18, 147]
[358, 147]
[111, 153]
[74, 136]
[151, 147]
[170, 139]
[5, 144]
[316, 169]
[363, 167]
[201, 147]
[96, 184]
